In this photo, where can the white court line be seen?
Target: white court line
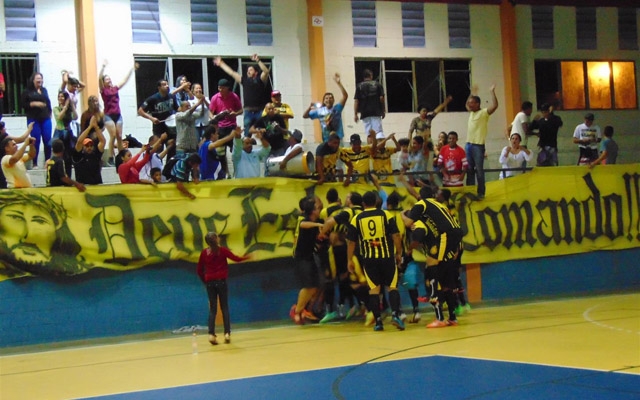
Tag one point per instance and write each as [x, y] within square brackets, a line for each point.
[588, 318]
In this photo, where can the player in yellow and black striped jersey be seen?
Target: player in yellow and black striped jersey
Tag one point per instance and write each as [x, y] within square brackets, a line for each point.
[359, 156]
[327, 158]
[382, 157]
[335, 226]
[375, 234]
[434, 228]
[444, 196]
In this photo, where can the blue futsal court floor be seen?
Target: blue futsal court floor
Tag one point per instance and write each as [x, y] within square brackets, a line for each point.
[433, 377]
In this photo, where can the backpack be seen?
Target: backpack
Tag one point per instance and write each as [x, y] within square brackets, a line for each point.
[168, 167]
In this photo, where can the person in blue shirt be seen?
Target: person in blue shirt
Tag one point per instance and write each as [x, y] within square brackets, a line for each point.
[329, 113]
[246, 159]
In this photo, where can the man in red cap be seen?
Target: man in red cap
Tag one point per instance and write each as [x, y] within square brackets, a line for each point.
[282, 109]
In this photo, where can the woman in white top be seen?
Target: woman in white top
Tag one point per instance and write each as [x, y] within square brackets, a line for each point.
[514, 156]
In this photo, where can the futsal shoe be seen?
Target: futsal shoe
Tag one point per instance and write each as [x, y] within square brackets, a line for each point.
[378, 328]
[353, 311]
[423, 299]
[227, 338]
[292, 313]
[459, 310]
[452, 322]
[403, 317]
[415, 318]
[369, 319]
[437, 324]
[397, 322]
[330, 316]
[309, 316]
[213, 339]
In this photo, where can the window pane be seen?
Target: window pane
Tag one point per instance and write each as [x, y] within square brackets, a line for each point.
[427, 84]
[624, 85]
[573, 97]
[399, 91]
[599, 84]
[190, 67]
[16, 69]
[548, 83]
[147, 81]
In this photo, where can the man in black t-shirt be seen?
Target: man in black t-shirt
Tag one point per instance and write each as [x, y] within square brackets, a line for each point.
[87, 157]
[272, 128]
[158, 107]
[369, 102]
[56, 171]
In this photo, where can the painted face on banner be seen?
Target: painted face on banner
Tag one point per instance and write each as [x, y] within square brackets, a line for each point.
[28, 232]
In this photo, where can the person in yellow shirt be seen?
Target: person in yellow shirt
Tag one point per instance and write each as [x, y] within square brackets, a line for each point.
[477, 136]
[359, 156]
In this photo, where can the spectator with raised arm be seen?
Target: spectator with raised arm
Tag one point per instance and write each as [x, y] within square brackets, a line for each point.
[112, 115]
[87, 155]
[329, 113]
[56, 171]
[246, 159]
[211, 165]
[202, 121]
[17, 139]
[64, 113]
[421, 125]
[13, 159]
[477, 129]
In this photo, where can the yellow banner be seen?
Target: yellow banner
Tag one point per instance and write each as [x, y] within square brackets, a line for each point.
[552, 211]
[60, 231]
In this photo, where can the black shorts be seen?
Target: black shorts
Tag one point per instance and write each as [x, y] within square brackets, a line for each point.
[340, 259]
[226, 131]
[381, 272]
[447, 274]
[307, 273]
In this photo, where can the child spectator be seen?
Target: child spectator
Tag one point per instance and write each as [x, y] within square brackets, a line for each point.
[183, 170]
[56, 169]
[608, 149]
[213, 270]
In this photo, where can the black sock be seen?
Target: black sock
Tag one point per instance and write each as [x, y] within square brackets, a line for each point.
[394, 300]
[374, 306]
[413, 295]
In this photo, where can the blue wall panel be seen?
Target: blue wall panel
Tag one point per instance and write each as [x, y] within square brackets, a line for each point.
[596, 272]
[162, 298]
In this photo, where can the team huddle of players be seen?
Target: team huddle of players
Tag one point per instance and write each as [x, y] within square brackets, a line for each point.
[367, 247]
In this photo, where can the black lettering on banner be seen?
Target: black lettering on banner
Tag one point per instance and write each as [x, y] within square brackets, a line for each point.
[149, 227]
[568, 220]
[634, 180]
[101, 229]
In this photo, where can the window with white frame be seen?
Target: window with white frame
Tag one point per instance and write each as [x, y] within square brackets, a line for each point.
[196, 69]
[17, 69]
[411, 84]
[590, 84]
